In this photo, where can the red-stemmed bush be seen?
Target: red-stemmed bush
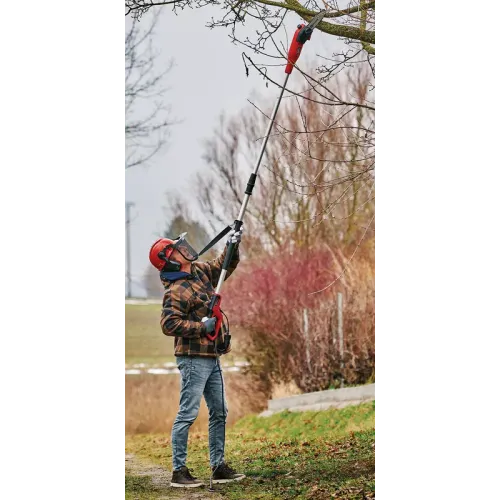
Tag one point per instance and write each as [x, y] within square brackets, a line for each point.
[267, 303]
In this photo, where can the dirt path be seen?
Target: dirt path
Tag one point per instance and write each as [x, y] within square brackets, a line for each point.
[160, 479]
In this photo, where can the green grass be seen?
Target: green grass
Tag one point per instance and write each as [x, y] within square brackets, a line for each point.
[313, 425]
[310, 455]
[140, 488]
[146, 343]
[144, 340]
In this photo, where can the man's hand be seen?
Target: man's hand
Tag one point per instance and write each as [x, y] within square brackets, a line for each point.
[209, 324]
[234, 237]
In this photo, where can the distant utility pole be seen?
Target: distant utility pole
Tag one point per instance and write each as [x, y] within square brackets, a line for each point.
[128, 206]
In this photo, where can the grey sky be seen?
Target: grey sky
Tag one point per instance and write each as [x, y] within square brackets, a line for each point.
[208, 77]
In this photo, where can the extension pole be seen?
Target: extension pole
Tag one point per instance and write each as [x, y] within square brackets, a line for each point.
[251, 183]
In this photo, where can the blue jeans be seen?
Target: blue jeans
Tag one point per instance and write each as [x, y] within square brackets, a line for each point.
[199, 377]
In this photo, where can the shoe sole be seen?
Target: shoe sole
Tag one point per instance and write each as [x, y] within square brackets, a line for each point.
[221, 481]
[179, 485]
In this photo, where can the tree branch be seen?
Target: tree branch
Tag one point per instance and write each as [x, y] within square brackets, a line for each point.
[344, 31]
[147, 119]
[367, 47]
[136, 5]
[297, 7]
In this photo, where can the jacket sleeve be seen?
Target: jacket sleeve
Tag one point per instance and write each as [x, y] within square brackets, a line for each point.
[173, 317]
[216, 265]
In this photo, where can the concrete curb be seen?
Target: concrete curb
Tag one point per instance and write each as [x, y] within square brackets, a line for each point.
[317, 401]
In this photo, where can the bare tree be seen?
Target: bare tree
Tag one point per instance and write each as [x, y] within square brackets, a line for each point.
[147, 118]
[351, 21]
[319, 169]
[346, 21]
[316, 182]
[327, 132]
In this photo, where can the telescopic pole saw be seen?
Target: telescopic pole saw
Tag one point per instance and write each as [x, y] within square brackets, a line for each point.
[300, 37]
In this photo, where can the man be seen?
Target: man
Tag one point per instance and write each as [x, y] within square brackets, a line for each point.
[189, 286]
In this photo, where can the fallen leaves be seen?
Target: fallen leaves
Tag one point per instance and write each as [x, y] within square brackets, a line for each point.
[287, 466]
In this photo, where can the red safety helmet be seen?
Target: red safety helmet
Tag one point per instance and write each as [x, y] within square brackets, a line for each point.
[162, 249]
[160, 252]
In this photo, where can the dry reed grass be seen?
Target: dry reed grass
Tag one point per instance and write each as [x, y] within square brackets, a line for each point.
[152, 402]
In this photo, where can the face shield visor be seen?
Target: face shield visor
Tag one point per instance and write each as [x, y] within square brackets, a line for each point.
[185, 249]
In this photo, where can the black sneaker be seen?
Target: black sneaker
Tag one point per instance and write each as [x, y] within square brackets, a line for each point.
[225, 474]
[182, 478]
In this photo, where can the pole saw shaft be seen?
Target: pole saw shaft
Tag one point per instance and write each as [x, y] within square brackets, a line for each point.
[301, 35]
[214, 307]
[250, 185]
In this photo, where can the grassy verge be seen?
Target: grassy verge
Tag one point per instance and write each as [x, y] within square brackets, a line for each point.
[145, 342]
[310, 455]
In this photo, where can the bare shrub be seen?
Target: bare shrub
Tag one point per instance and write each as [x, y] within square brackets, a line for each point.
[269, 301]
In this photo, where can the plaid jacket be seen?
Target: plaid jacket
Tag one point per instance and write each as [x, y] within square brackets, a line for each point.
[186, 302]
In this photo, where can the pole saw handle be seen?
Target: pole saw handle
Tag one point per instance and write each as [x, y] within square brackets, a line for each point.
[214, 311]
[231, 246]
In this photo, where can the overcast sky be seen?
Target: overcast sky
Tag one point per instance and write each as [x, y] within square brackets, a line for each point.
[208, 77]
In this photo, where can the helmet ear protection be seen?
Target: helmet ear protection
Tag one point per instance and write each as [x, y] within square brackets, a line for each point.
[171, 265]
